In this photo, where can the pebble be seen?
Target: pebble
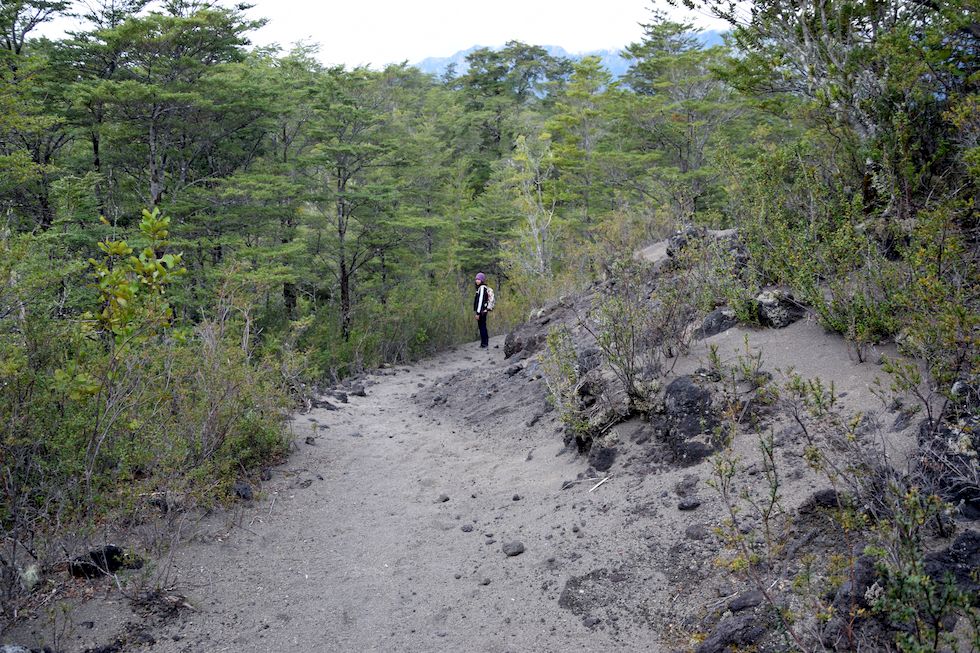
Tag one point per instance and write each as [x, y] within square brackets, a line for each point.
[697, 532]
[485, 581]
[443, 498]
[513, 548]
[591, 622]
[310, 440]
[466, 528]
[688, 504]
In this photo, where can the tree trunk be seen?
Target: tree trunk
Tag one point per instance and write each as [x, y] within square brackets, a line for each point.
[289, 299]
[156, 181]
[343, 271]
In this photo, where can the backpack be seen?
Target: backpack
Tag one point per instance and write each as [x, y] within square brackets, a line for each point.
[491, 299]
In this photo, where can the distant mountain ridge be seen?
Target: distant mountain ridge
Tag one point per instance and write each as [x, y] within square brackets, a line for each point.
[611, 59]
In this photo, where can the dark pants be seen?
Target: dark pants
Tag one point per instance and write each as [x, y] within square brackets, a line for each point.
[484, 336]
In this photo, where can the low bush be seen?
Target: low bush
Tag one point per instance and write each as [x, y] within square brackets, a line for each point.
[108, 400]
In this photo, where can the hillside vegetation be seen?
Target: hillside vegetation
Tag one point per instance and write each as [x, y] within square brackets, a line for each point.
[197, 233]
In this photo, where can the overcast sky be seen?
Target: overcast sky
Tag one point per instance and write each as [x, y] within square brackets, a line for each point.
[377, 32]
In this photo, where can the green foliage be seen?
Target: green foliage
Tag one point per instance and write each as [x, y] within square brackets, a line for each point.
[561, 373]
[919, 605]
[123, 399]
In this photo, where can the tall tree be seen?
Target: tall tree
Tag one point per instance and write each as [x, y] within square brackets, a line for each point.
[352, 141]
[578, 130]
[679, 109]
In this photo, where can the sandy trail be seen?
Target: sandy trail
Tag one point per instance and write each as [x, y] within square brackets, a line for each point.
[369, 558]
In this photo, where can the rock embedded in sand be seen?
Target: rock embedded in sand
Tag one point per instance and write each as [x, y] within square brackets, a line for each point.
[443, 498]
[512, 549]
[688, 504]
[466, 528]
[715, 322]
[697, 532]
[746, 600]
[961, 560]
[732, 633]
[778, 309]
[602, 458]
[310, 440]
[242, 490]
[591, 622]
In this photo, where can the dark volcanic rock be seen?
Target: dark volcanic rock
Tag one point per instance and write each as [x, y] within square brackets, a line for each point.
[961, 559]
[688, 408]
[825, 498]
[688, 504]
[102, 561]
[778, 309]
[523, 341]
[512, 345]
[512, 548]
[853, 591]
[591, 622]
[738, 631]
[715, 322]
[358, 390]
[681, 239]
[242, 490]
[691, 453]
[601, 458]
[746, 600]
[466, 528]
[687, 485]
[443, 498]
[310, 440]
[589, 359]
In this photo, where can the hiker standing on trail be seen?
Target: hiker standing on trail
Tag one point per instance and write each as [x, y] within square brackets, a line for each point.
[483, 302]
